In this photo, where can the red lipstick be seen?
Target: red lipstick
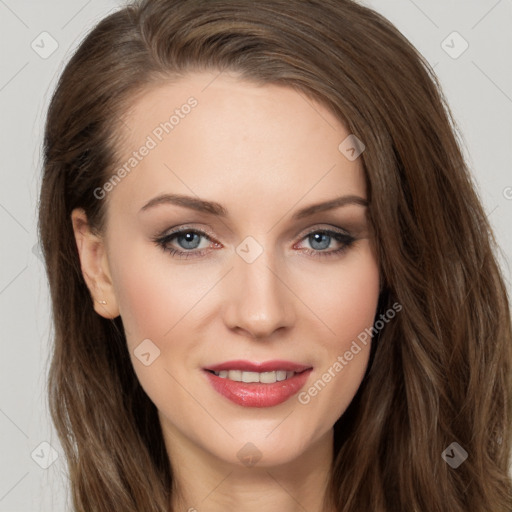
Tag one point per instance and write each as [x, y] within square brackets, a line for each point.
[258, 394]
[268, 366]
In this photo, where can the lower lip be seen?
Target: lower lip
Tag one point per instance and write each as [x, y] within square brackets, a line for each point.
[255, 394]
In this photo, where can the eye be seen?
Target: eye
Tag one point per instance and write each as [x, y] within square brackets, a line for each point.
[189, 240]
[322, 239]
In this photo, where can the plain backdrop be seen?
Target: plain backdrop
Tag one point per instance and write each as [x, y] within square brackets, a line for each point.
[468, 42]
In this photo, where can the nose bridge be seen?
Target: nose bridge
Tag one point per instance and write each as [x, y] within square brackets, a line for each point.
[259, 301]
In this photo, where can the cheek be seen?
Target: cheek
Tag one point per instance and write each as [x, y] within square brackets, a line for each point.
[347, 304]
[358, 299]
[153, 294]
[345, 298]
[142, 302]
[154, 299]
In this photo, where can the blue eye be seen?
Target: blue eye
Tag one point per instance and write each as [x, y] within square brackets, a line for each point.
[186, 238]
[190, 239]
[321, 240]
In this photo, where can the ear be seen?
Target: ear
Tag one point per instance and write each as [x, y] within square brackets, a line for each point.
[94, 264]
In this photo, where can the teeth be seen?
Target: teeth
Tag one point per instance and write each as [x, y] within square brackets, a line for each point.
[248, 377]
[281, 375]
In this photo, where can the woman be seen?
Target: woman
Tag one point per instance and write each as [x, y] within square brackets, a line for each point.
[273, 284]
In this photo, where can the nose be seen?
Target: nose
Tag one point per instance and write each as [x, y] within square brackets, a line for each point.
[260, 301]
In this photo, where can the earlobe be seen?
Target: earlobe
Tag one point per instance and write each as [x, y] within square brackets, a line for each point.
[94, 265]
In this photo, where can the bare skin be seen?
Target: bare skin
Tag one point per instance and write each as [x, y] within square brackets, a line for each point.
[263, 153]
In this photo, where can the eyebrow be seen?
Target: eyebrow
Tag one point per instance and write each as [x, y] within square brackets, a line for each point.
[213, 208]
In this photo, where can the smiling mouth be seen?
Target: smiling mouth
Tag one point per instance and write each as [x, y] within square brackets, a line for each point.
[250, 388]
[255, 377]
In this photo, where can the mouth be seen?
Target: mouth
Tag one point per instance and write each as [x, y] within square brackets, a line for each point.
[258, 384]
[253, 377]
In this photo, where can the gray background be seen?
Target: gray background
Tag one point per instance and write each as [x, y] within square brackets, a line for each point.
[478, 85]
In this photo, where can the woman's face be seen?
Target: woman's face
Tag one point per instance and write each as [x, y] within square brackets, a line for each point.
[217, 255]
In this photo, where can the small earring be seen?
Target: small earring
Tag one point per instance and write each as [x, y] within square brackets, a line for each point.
[102, 302]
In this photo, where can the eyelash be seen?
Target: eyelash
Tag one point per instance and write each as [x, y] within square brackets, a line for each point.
[163, 241]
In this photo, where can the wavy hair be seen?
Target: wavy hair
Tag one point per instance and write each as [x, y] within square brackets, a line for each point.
[440, 372]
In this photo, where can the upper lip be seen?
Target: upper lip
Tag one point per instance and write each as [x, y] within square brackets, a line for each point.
[267, 366]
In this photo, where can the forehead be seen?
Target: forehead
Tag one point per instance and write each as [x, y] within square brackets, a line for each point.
[217, 136]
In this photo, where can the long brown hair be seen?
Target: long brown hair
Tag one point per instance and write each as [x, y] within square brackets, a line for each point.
[439, 373]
